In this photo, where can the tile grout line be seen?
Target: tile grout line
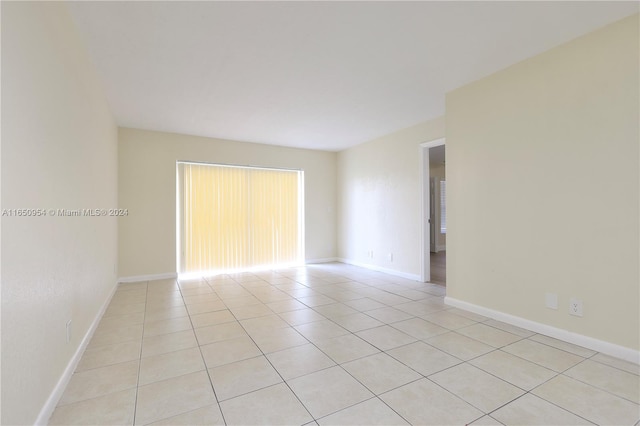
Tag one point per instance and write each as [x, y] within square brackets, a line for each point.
[347, 372]
[467, 362]
[325, 290]
[135, 404]
[177, 350]
[354, 378]
[204, 363]
[591, 384]
[274, 369]
[551, 402]
[336, 365]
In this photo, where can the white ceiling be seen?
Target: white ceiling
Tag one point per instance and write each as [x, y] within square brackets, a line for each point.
[321, 75]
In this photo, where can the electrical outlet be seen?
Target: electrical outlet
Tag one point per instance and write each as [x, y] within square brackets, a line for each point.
[575, 307]
[68, 331]
[551, 300]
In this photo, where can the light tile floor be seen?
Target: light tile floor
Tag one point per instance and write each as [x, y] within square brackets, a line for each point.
[330, 344]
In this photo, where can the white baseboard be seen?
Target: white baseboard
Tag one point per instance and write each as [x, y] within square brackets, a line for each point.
[608, 348]
[414, 277]
[151, 277]
[49, 406]
[324, 260]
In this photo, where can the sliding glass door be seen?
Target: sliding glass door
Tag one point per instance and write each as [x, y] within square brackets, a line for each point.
[233, 218]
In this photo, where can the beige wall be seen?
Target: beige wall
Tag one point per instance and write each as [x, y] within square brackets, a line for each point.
[437, 171]
[147, 188]
[557, 210]
[59, 150]
[379, 199]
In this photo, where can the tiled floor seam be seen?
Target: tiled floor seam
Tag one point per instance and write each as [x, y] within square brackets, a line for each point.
[135, 402]
[362, 384]
[353, 405]
[462, 399]
[553, 403]
[612, 366]
[316, 284]
[337, 365]
[556, 374]
[274, 369]
[555, 347]
[215, 395]
[537, 363]
[593, 385]
[392, 409]
[550, 402]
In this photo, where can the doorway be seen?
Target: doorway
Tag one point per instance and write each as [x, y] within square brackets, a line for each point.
[433, 217]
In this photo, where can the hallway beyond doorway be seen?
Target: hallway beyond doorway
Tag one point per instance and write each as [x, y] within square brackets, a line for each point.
[438, 268]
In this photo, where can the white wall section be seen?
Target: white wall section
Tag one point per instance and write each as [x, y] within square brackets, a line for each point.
[543, 191]
[147, 188]
[59, 150]
[379, 199]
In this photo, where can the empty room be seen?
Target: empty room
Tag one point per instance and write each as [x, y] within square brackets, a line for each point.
[320, 213]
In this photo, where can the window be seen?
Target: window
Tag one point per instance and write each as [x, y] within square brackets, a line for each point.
[443, 207]
[237, 218]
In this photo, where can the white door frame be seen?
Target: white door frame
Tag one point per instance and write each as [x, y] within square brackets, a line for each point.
[425, 230]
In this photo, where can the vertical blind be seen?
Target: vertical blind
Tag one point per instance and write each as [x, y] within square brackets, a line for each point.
[236, 218]
[443, 207]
